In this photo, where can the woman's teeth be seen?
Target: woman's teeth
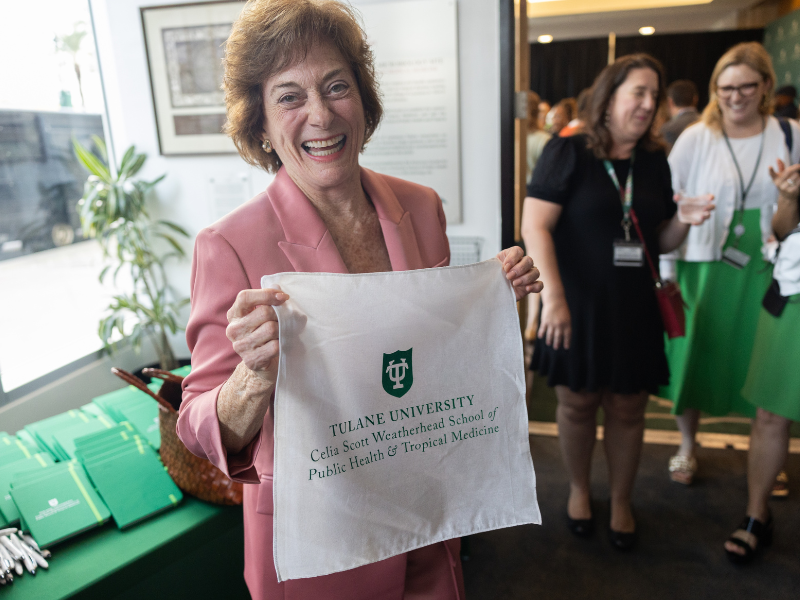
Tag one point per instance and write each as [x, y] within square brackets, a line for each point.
[324, 147]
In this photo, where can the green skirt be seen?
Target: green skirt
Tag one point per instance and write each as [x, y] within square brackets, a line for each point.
[708, 367]
[773, 380]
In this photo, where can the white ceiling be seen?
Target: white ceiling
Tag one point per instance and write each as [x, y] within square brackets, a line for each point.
[716, 15]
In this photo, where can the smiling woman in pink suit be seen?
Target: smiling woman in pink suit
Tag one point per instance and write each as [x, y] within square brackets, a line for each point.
[302, 102]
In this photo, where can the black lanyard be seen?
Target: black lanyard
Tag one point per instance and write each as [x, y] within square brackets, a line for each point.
[739, 228]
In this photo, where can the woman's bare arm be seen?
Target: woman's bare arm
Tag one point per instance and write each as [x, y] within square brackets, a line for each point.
[787, 215]
[245, 398]
[539, 220]
[242, 403]
[691, 211]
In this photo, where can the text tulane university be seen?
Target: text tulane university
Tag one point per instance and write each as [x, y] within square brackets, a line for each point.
[411, 412]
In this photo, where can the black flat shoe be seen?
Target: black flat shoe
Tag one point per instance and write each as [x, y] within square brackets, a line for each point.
[761, 531]
[582, 528]
[621, 540]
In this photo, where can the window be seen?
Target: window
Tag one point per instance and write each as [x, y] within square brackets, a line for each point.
[50, 298]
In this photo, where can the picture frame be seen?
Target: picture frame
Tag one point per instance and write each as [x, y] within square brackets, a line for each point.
[184, 44]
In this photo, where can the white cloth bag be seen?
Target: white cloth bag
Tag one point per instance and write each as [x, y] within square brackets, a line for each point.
[400, 416]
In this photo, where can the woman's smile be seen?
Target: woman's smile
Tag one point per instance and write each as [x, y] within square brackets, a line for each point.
[325, 149]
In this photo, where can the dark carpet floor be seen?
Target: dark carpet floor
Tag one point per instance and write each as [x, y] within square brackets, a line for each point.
[681, 531]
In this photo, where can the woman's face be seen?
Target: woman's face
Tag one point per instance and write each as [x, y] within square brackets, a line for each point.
[740, 91]
[557, 119]
[544, 108]
[315, 120]
[633, 105]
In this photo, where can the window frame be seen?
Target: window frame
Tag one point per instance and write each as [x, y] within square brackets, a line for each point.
[6, 397]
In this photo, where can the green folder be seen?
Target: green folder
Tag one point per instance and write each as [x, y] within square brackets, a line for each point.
[132, 481]
[93, 443]
[101, 453]
[13, 448]
[26, 439]
[8, 509]
[64, 440]
[94, 410]
[42, 431]
[59, 505]
[127, 396]
[145, 418]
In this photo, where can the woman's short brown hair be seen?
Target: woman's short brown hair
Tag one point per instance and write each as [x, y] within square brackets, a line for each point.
[609, 80]
[750, 54]
[269, 36]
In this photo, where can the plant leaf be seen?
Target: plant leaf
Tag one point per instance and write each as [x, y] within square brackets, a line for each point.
[100, 144]
[90, 161]
[175, 227]
[123, 164]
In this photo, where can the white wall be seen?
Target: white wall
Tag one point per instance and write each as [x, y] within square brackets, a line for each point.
[184, 197]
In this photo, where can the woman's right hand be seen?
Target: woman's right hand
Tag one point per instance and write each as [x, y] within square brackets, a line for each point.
[253, 331]
[556, 324]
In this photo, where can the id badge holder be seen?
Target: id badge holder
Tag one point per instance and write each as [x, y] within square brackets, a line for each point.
[735, 258]
[628, 254]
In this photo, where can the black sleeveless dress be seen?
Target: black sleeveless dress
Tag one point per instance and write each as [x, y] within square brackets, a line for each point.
[617, 341]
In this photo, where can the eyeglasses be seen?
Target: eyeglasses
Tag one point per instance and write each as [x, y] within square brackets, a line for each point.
[745, 90]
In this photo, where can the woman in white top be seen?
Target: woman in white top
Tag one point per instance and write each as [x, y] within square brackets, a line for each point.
[720, 267]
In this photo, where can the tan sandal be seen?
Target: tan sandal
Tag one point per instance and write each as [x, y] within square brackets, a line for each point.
[682, 469]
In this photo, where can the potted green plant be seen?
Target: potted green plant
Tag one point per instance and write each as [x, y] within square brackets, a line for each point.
[113, 210]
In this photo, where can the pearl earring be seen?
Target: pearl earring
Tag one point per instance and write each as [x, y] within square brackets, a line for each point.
[266, 146]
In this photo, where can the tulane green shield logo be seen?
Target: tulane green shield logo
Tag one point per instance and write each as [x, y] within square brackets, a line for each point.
[397, 372]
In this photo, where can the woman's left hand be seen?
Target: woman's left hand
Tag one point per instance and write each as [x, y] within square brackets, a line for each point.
[786, 179]
[520, 271]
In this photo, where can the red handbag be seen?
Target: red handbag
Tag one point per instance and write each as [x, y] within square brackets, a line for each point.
[668, 294]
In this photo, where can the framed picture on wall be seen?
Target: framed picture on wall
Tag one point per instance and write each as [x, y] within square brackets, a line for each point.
[185, 46]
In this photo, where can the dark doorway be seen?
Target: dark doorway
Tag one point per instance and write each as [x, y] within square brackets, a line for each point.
[562, 69]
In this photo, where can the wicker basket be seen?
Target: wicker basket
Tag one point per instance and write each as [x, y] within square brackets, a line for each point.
[192, 474]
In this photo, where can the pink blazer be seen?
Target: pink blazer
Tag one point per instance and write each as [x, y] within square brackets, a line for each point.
[280, 231]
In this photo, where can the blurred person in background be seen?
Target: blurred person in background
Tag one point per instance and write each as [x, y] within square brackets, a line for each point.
[773, 380]
[560, 115]
[682, 99]
[785, 102]
[601, 338]
[581, 106]
[721, 267]
[537, 137]
[544, 108]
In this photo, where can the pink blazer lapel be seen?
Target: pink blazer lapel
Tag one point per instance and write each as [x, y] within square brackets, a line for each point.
[309, 245]
[398, 230]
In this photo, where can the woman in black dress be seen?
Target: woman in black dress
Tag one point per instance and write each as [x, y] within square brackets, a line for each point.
[601, 338]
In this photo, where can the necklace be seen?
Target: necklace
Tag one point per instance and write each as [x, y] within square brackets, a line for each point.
[739, 228]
